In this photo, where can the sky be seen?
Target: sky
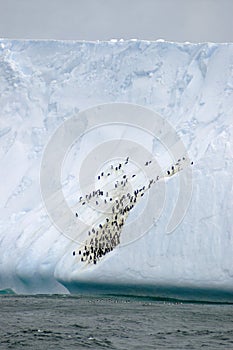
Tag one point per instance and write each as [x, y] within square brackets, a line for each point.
[172, 20]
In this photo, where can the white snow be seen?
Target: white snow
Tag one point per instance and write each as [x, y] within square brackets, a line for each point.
[43, 84]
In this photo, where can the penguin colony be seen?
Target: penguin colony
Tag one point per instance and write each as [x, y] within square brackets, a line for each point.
[117, 203]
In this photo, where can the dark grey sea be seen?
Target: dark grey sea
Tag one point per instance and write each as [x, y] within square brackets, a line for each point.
[92, 322]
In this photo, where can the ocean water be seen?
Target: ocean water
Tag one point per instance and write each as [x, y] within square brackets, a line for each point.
[110, 322]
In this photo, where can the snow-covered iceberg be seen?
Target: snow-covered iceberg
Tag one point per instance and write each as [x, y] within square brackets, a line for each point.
[46, 84]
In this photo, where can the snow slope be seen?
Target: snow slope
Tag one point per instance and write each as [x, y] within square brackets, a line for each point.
[45, 83]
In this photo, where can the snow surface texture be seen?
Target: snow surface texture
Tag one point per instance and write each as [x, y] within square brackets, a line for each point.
[43, 84]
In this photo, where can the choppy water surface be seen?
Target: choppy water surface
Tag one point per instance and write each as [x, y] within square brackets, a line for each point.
[87, 322]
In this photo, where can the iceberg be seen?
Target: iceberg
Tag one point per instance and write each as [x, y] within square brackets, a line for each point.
[71, 111]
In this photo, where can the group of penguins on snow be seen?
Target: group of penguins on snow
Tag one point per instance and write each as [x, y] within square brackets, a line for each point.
[105, 236]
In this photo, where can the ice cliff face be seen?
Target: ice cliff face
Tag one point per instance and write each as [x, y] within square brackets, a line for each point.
[45, 83]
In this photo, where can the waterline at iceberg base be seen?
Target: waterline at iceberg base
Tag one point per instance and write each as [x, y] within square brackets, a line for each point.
[159, 293]
[43, 85]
